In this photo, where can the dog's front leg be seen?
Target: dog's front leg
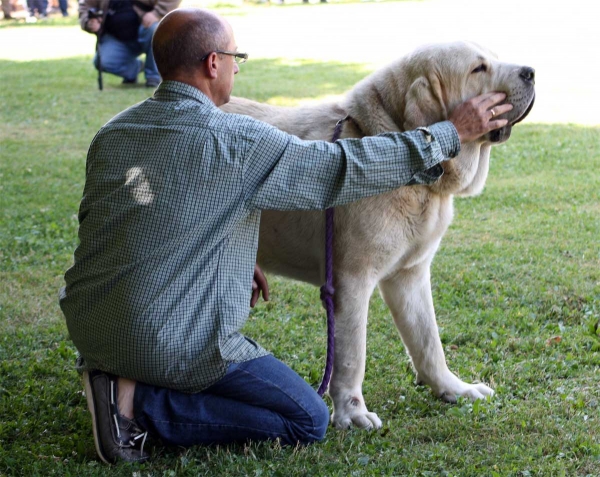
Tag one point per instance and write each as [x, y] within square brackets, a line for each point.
[351, 307]
[408, 294]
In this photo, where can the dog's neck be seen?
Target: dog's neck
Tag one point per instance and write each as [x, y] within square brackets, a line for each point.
[368, 100]
[465, 175]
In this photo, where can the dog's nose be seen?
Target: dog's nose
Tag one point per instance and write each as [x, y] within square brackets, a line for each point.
[528, 74]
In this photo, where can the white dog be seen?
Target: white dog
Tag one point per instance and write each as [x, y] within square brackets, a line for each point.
[389, 240]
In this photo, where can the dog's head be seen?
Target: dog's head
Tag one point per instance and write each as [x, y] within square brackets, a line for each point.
[424, 87]
[443, 76]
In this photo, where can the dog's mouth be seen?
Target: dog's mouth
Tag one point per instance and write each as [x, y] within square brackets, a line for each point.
[501, 135]
[527, 111]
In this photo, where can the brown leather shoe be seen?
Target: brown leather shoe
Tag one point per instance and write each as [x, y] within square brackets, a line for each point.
[116, 437]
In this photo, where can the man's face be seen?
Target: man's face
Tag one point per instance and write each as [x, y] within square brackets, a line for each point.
[228, 69]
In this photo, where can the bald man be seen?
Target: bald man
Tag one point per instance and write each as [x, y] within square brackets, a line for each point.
[168, 237]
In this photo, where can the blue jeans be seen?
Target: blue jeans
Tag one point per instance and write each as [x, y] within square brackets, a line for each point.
[121, 57]
[261, 399]
[40, 5]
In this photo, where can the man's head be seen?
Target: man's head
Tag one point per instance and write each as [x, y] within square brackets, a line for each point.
[185, 47]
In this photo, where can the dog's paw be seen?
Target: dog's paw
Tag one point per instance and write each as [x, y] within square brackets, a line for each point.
[367, 421]
[451, 388]
[354, 413]
[470, 391]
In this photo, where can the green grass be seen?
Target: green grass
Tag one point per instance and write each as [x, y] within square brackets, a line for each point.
[519, 268]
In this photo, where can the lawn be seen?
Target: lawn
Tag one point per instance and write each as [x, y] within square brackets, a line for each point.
[516, 285]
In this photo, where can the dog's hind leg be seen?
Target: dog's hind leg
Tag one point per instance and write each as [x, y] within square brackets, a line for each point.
[408, 294]
[351, 307]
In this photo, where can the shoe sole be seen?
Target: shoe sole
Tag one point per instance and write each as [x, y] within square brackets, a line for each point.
[89, 394]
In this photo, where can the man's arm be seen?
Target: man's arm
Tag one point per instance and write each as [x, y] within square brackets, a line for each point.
[161, 8]
[286, 173]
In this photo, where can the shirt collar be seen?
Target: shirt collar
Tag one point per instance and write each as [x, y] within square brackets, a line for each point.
[177, 91]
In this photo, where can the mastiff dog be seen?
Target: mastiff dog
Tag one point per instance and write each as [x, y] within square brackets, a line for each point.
[388, 241]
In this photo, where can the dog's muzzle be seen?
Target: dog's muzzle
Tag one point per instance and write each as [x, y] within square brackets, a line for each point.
[527, 76]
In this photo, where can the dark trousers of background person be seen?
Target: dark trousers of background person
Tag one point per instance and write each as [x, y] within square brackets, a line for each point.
[121, 57]
[63, 5]
[40, 5]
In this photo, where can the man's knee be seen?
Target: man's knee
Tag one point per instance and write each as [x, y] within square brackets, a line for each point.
[109, 61]
[319, 423]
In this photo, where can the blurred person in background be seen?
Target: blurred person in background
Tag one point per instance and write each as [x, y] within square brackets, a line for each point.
[7, 9]
[125, 29]
[39, 6]
[63, 5]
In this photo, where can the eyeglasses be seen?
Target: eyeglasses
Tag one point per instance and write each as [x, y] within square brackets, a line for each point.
[239, 58]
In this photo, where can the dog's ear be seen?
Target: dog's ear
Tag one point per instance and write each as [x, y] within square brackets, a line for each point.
[424, 105]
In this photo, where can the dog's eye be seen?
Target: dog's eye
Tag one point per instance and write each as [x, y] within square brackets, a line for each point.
[480, 69]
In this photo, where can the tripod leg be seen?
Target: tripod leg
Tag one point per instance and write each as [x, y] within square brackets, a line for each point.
[99, 62]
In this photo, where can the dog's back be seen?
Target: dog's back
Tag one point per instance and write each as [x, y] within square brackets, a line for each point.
[310, 122]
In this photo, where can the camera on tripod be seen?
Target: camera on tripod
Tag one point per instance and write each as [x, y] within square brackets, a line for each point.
[95, 13]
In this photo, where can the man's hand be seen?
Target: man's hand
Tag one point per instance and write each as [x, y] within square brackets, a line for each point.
[149, 19]
[475, 117]
[93, 25]
[259, 283]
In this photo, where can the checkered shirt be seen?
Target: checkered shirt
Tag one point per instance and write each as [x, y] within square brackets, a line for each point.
[169, 219]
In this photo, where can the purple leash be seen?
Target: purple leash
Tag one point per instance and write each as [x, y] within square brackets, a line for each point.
[327, 290]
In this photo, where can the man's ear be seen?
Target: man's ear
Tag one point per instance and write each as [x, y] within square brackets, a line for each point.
[423, 105]
[211, 65]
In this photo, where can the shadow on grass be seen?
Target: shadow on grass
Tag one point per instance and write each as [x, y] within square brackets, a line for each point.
[288, 82]
[259, 79]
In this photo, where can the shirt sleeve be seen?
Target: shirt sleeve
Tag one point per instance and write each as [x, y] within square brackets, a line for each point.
[162, 7]
[283, 172]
